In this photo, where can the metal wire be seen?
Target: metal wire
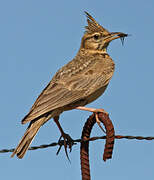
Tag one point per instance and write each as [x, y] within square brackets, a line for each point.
[43, 146]
[84, 147]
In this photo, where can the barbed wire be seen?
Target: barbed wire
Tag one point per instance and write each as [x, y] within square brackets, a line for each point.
[60, 143]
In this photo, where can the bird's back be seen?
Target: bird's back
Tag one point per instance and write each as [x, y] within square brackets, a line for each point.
[79, 82]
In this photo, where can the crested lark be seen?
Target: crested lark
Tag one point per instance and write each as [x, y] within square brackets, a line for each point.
[76, 84]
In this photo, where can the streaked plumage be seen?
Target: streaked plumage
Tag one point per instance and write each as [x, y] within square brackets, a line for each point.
[78, 83]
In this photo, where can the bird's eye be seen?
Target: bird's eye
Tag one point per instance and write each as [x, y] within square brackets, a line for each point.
[96, 36]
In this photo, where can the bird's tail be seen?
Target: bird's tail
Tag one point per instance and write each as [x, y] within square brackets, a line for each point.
[29, 135]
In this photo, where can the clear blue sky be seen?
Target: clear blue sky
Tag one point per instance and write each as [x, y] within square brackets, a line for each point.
[36, 39]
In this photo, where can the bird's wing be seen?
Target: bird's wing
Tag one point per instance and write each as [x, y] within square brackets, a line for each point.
[63, 93]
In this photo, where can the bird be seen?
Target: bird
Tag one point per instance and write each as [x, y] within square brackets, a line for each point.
[78, 83]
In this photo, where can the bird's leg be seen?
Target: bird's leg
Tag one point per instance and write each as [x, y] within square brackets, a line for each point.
[67, 139]
[96, 111]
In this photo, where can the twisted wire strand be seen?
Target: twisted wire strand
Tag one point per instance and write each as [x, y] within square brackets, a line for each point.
[110, 135]
[84, 147]
[43, 146]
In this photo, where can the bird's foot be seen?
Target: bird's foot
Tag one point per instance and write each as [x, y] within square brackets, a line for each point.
[96, 111]
[67, 142]
[91, 109]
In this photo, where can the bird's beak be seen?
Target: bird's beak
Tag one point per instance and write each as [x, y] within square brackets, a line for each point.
[115, 35]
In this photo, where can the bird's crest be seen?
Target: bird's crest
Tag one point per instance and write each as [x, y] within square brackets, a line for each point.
[93, 26]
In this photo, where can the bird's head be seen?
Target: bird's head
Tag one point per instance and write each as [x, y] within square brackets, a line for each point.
[97, 38]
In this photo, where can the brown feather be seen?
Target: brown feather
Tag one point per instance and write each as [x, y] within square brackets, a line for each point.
[77, 83]
[70, 91]
[27, 138]
[93, 26]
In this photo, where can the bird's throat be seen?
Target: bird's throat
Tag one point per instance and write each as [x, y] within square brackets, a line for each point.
[94, 51]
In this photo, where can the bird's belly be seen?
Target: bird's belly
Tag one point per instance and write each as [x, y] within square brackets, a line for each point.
[86, 100]
[92, 97]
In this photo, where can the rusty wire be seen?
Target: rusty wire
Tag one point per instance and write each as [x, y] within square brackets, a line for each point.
[84, 156]
[88, 139]
[43, 146]
[84, 148]
[110, 135]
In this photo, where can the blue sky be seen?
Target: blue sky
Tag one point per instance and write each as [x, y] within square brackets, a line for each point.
[36, 39]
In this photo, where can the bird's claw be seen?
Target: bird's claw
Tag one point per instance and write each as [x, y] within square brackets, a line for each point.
[99, 122]
[67, 142]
